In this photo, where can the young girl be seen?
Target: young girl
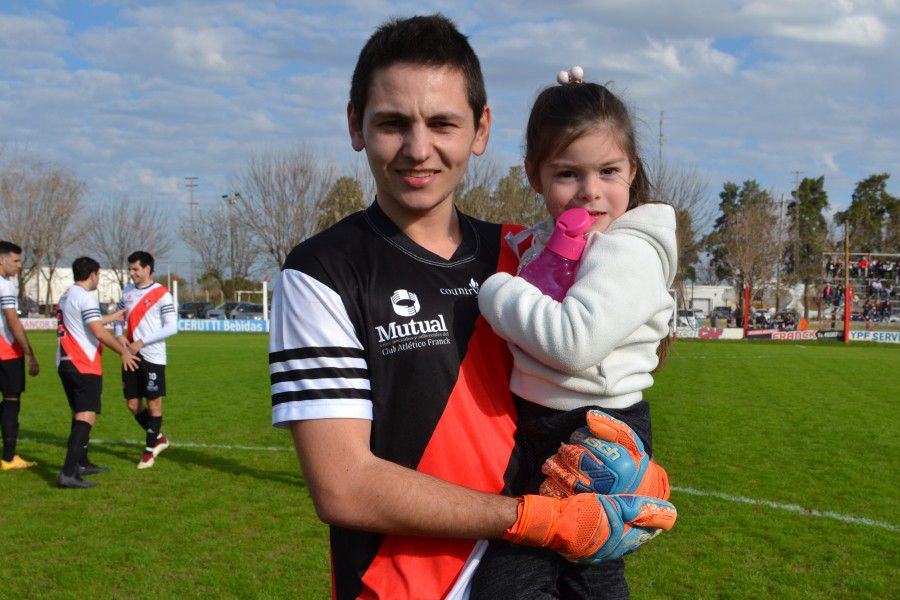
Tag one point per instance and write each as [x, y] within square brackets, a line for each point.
[596, 348]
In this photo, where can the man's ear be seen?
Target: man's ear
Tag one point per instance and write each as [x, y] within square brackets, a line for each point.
[482, 132]
[356, 135]
[534, 176]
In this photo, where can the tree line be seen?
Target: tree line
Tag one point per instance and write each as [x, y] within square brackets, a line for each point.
[278, 199]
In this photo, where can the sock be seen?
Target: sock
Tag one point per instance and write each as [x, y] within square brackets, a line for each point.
[143, 419]
[83, 459]
[9, 424]
[154, 424]
[78, 440]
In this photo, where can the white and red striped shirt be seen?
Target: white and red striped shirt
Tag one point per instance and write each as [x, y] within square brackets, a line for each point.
[150, 316]
[77, 344]
[9, 347]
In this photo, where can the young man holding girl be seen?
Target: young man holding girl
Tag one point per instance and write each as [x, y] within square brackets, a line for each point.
[394, 388]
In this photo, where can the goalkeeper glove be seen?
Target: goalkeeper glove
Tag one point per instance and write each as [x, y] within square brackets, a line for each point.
[606, 457]
[590, 528]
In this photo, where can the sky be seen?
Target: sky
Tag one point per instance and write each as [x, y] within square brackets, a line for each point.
[135, 96]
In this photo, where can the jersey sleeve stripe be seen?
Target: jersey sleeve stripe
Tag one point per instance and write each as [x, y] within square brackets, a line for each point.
[8, 301]
[325, 373]
[315, 352]
[120, 305]
[348, 408]
[326, 394]
[318, 362]
[303, 385]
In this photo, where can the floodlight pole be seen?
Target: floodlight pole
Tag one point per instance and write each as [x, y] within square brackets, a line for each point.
[848, 292]
[231, 199]
[191, 184]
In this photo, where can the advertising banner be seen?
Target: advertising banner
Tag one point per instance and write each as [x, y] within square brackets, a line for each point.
[709, 333]
[885, 337]
[38, 323]
[223, 325]
[760, 333]
[830, 334]
[797, 335]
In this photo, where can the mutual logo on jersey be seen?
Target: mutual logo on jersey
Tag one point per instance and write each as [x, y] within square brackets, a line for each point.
[470, 290]
[397, 337]
[406, 304]
[412, 328]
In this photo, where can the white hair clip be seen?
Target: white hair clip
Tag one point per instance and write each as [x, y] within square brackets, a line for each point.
[573, 75]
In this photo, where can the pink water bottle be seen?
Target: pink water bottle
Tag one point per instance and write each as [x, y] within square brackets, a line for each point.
[553, 272]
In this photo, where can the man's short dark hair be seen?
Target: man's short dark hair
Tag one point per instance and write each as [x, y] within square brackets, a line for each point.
[431, 41]
[83, 267]
[9, 248]
[144, 258]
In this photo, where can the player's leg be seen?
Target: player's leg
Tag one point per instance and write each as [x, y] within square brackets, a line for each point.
[131, 387]
[79, 437]
[154, 389]
[12, 384]
[84, 394]
[603, 581]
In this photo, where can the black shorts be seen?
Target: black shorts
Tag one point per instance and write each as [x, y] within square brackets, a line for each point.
[84, 392]
[149, 381]
[12, 377]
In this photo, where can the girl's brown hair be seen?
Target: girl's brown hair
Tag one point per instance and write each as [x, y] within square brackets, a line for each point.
[563, 113]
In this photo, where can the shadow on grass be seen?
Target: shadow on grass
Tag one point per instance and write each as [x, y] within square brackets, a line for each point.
[184, 457]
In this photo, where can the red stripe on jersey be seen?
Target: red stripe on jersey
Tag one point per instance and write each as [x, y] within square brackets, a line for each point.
[470, 446]
[10, 351]
[76, 354]
[146, 302]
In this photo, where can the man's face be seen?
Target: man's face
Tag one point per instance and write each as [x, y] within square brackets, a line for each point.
[139, 275]
[10, 264]
[418, 132]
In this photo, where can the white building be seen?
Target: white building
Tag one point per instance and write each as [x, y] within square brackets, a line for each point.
[36, 288]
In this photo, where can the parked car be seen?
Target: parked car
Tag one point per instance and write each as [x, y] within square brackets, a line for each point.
[687, 318]
[224, 310]
[27, 307]
[248, 312]
[700, 314]
[194, 310]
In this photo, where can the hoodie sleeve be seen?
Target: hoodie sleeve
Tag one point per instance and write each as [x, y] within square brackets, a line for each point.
[621, 284]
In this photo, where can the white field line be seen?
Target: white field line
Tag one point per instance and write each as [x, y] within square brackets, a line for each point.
[684, 490]
[180, 444]
[826, 514]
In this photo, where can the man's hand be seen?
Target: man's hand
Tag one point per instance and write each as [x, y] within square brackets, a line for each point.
[119, 315]
[33, 367]
[590, 528]
[135, 346]
[130, 361]
[606, 457]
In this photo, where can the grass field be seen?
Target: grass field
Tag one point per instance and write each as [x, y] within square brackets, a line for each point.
[225, 514]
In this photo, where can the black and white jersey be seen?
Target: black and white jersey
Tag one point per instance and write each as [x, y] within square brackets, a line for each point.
[368, 325]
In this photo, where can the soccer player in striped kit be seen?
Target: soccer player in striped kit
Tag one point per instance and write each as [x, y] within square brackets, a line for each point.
[80, 366]
[14, 351]
[150, 318]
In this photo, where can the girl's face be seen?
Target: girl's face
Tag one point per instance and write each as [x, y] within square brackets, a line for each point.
[593, 173]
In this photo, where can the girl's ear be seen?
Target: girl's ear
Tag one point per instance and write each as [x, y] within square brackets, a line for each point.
[534, 176]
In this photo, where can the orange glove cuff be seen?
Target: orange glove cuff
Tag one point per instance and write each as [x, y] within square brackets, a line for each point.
[538, 517]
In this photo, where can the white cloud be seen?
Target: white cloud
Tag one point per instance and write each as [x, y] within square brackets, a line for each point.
[860, 31]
